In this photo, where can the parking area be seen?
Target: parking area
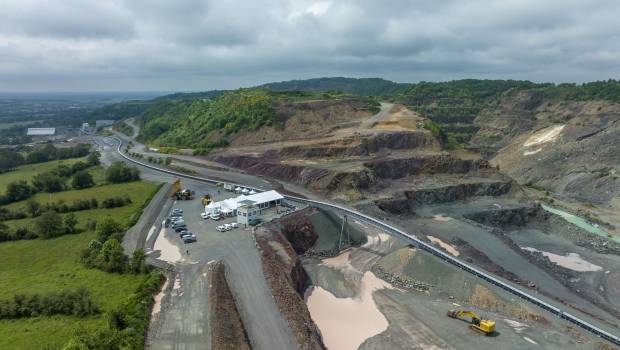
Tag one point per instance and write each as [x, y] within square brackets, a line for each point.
[185, 320]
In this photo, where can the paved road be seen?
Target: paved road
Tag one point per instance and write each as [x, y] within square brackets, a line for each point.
[183, 322]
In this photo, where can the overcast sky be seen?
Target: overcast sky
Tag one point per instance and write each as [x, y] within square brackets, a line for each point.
[185, 45]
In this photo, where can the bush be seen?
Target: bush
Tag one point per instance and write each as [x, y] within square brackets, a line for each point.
[82, 179]
[120, 172]
[17, 191]
[48, 182]
[75, 303]
[49, 224]
[107, 228]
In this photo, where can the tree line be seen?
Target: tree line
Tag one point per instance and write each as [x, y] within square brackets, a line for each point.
[10, 158]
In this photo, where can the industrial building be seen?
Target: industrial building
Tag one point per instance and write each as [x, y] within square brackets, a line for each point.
[257, 201]
[41, 132]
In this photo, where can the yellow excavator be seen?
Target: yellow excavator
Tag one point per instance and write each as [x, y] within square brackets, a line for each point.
[486, 327]
[179, 193]
[206, 200]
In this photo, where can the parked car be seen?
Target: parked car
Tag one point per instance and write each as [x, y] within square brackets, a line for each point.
[177, 210]
[189, 239]
[221, 228]
[228, 227]
[254, 222]
[180, 228]
[234, 225]
[204, 216]
[183, 233]
[215, 217]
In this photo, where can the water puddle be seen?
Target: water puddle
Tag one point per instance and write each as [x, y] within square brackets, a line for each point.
[582, 223]
[345, 323]
[448, 247]
[570, 261]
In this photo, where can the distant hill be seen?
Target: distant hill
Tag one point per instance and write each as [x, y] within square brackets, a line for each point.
[361, 86]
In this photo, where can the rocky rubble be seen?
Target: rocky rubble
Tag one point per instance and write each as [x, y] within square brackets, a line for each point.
[401, 282]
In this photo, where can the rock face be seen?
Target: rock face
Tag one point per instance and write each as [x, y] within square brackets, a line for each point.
[508, 217]
[451, 193]
[227, 331]
[568, 148]
[396, 168]
[362, 145]
[288, 280]
[299, 231]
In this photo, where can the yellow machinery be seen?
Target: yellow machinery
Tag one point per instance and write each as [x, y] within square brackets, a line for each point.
[206, 200]
[486, 327]
[179, 193]
[176, 187]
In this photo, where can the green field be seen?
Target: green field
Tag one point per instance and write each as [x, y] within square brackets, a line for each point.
[4, 126]
[42, 266]
[27, 172]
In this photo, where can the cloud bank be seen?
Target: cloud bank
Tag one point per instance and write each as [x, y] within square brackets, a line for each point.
[182, 45]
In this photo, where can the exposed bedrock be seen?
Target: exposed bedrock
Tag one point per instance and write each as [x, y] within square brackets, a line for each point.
[396, 205]
[288, 280]
[396, 168]
[508, 217]
[450, 193]
[362, 145]
[316, 178]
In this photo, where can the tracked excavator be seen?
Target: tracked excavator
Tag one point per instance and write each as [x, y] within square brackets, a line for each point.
[486, 327]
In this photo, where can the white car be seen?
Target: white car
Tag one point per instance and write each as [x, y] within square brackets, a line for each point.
[234, 225]
[221, 228]
[215, 217]
[204, 216]
[228, 227]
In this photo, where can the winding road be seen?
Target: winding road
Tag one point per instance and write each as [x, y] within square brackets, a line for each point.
[421, 245]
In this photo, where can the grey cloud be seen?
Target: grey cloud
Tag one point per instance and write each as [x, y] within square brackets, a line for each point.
[202, 44]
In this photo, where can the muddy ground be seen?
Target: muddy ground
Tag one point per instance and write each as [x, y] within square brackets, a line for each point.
[412, 314]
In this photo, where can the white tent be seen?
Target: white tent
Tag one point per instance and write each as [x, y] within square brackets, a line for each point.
[245, 191]
[230, 205]
[252, 192]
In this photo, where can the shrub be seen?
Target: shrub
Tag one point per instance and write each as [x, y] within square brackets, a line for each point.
[120, 172]
[49, 224]
[82, 179]
[75, 303]
[107, 228]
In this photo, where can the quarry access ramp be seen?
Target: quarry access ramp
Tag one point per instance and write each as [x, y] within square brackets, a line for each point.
[394, 231]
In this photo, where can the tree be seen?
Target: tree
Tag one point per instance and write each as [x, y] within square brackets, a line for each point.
[93, 158]
[48, 182]
[106, 228]
[33, 208]
[49, 224]
[18, 190]
[120, 172]
[137, 263]
[112, 256]
[82, 179]
[70, 222]
[4, 232]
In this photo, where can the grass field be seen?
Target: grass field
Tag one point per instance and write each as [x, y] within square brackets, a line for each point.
[12, 124]
[42, 266]
[27, 172]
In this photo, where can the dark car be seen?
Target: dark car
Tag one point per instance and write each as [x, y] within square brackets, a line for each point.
[180, 228]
